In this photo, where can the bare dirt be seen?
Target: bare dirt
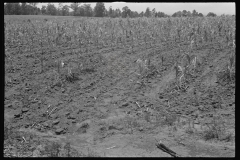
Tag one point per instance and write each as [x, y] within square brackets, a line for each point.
[104, 110]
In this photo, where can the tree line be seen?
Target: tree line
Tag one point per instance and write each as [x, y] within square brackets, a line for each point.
[85, 10]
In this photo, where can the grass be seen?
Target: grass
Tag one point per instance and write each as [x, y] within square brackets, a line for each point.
[217, 130]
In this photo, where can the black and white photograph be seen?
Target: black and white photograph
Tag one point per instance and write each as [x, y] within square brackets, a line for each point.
[119, 79]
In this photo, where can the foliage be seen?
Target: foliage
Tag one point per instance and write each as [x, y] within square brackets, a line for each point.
[99, 9]
[23, 9]
[217, 130]
[126, 12]
[51, 9]
[147, 12]
[87, 11]
[74, 7]
[84, 10]
[185, 13]
[44, 10]
[65, 10]
[211, 14]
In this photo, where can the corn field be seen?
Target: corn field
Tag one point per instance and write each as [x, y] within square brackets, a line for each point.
[133, 74]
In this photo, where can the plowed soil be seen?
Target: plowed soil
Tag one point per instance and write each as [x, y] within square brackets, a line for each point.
[104, 110]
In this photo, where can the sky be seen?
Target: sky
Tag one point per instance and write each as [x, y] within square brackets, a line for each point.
[170, 8]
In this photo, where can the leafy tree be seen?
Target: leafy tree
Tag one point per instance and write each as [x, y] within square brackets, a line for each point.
[125, 12]
[200, 15]
[80, 11]
[105, 12]
[38, 11]
[153, 12]
[23, 8]
[9, 8]
[44, 10]
[59, 10]
[194, 13]
[74, 7]
[33, 8]
[177, 14]
[118, 12]
[161, 14]
[88, 10]
[99, 9]
[110, 12]
[51, 9]
[17, 9]
[114, 14]
[135, 14]
[184, 13]
[211, 14]
[65, 10]
[189, 14]
[147, 12]
[12, 9]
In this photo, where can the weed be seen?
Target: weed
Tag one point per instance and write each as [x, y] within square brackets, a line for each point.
[215, 130]
[147, 116]
[53, 149]
[67, 147]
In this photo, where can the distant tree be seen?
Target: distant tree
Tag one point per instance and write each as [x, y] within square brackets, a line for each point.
[153, 12]
[110, 12]
[32, 7]
[59, 9]
[177, 14]
[39, 11]
[9, 8]
[23, 8]
[80, 11]
[200, 15]
[184, 13]
[211, 14]
[161, 14]
[147, 12]
[135, 14]
[88, 11]
[189, 14]
[65, 10]
[130, 13]
[113, 15]
[17, 9]
[51, 9]
[99, 9]
[125, 12]
[118, 12]
[141, 14]
[223, 15]
[105, 12]
[29, 10]
[74, 7]
[44, 10]
[194, 13]
[12, 8]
